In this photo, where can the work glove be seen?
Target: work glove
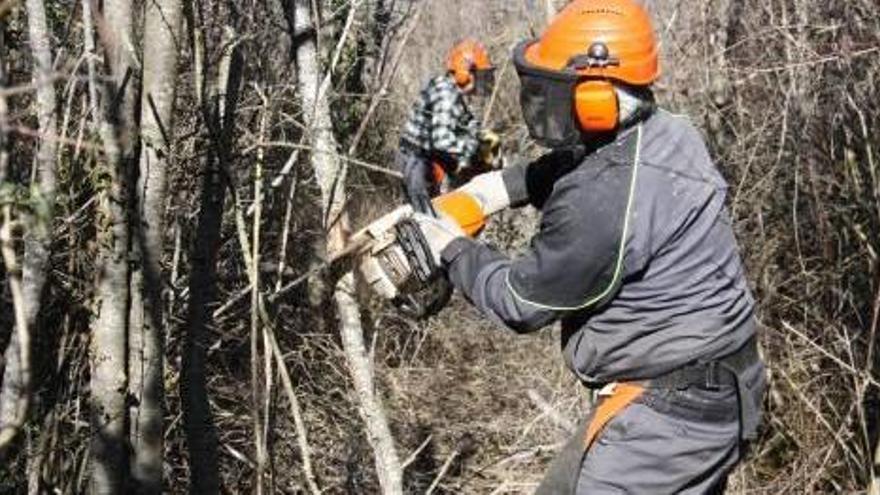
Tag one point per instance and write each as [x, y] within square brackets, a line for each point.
[490, 191]
[489, 150]
[438, 232]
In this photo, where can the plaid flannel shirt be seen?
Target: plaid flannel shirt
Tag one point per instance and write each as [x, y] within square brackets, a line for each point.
[441, 125]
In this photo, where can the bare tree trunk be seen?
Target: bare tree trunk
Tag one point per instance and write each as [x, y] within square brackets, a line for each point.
[14, 396]
[15, 405]
[219, 111]
[8, 226]
[109, 466]
[146, 333]
[330, 174]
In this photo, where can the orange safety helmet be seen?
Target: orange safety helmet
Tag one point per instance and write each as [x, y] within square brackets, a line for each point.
[466, 57]
[595, 43]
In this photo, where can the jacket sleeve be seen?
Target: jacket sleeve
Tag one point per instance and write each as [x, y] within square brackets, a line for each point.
[574, 263]
[531, 183]
[480, 272]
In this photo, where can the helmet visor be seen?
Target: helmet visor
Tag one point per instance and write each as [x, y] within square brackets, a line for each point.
[484, 81]
[547, 100]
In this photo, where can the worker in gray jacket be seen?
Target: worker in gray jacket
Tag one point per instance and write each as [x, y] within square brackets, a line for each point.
[635, 256]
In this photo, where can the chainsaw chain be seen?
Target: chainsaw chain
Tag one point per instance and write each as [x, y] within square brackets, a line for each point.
[417, 250]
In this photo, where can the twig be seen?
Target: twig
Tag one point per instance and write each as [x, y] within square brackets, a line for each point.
[549, 411]
[819, 416]
[831, 356]
[288, 166]
[415, 454]
[487, 114]
[353, 161]
[285, 232]
[238, 455]
[259, 433]
[241, 294]
[869, 364]
[296, 412]
[753, 72]
[442, 473]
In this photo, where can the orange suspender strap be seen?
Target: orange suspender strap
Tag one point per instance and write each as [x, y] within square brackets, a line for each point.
[438, 173]
[623, 395]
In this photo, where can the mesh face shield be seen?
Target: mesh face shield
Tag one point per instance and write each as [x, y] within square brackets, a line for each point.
[484, 81]
[547, 99]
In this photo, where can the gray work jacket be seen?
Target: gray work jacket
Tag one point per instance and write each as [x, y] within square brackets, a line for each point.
[635, 255]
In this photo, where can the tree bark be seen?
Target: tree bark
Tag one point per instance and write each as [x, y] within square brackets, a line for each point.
[330, 173]
[35, 267]
[109, 466]
[146, 332]
[388, 467]
[5, 143]
[201, 434]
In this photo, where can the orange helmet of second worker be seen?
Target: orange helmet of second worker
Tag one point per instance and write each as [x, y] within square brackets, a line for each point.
[622, 26]
[466, 57]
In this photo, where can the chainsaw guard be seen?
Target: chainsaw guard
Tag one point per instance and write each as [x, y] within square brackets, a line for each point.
[427, 301]
[430, 290]
[417, 250]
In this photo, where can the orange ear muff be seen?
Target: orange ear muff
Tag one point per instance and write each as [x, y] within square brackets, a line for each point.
[462, 77]
[596, 106]
[463, 73]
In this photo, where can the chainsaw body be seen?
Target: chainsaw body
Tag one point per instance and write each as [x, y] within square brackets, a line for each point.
[394, 258]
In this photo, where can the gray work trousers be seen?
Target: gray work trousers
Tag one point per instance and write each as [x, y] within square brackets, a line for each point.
[668, 441]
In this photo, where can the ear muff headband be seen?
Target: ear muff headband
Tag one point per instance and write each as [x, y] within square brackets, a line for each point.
[596, 106]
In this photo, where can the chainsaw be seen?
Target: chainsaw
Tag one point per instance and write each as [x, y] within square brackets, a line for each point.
[393, 257]
[395, 261]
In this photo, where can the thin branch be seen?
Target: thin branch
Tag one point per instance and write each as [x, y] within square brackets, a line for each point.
[442, 473]
[353, 161]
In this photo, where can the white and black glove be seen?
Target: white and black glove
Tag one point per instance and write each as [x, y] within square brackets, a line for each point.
[438, 233]
[489, 151]
[490, 191]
